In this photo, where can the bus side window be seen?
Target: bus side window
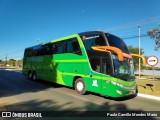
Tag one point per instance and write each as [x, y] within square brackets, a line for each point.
[106, 65]
[95, 64]
[54, 49]
[28, 52]
[61, 46]
[72, 46]
[46, 49]
[69, 46]
[36, 50]
[76, 47]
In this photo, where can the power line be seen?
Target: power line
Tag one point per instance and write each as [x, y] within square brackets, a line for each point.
[134, 24]
[133, 31]
[134, 36]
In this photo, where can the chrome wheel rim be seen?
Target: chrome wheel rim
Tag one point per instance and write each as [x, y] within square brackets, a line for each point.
[80, 86]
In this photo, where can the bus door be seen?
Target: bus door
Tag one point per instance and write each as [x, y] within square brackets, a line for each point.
[107, 71]
[95, 75]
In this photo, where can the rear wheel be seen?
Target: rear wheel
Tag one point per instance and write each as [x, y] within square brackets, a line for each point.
[34, 76]
[80, 86]
[30, 75]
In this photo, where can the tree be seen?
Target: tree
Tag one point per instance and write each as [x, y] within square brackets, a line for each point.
[155, 34]
[135, 50]
[12, 62]
[19, 63]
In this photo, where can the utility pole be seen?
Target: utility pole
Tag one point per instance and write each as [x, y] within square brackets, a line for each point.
[1, 61]
[6, 59]
[139, 43]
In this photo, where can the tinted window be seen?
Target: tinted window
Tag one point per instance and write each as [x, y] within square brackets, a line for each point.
[39, 50]
[46, 49]
[106, 66]
[93, 40]
[59, 47]
[117, 42]
[65, 46]
[101, 65]
[95, 64]
[73, 46]
[28, 52]
[69, 48]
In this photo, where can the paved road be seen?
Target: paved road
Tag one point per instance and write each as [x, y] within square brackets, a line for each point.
[17, 93]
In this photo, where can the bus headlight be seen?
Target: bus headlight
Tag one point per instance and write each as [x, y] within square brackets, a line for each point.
[122, 86]
[119, 92]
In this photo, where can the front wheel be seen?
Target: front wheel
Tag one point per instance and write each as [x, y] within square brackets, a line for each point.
[137, 89]
[80, 86]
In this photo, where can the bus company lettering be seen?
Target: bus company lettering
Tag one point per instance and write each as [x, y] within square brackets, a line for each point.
[35, 59]
[92, 37]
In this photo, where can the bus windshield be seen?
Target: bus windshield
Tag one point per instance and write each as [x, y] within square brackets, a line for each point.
[93, 40]
[120, 69]
[123, 69]
[117, 42]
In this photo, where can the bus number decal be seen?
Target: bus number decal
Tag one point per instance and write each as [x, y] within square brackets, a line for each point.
[95, 83]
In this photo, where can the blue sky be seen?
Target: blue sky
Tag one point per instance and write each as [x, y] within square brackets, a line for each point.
[22, 22]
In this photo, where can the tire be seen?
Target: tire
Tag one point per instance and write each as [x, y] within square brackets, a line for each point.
[80, 86]
[30, 75]
[136, 89]
[34, 76]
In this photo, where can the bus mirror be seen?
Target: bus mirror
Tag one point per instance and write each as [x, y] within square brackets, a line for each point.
[139, 56]
[119, 52]
[110, 49]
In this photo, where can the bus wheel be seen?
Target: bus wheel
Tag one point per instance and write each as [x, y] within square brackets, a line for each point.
[30, 75]
[136, 89]
[34, 76]
[80, 86]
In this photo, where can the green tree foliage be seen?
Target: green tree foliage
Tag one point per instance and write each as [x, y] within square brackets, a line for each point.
[155, 34]
[135, 50]
[12, 62]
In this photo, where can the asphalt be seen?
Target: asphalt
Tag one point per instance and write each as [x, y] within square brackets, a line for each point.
[17, 93]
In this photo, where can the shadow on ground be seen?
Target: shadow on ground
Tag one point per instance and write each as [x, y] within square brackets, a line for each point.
[51, 109]
[14, 83]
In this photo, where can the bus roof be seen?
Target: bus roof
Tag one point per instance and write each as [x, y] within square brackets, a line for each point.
[70, 36]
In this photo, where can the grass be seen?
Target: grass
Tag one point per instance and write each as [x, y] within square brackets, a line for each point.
[149, 86]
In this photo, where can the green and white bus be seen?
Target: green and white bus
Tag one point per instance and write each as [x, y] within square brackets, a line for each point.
[90, 61]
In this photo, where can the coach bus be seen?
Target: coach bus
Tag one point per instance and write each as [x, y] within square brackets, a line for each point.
[94, 61]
